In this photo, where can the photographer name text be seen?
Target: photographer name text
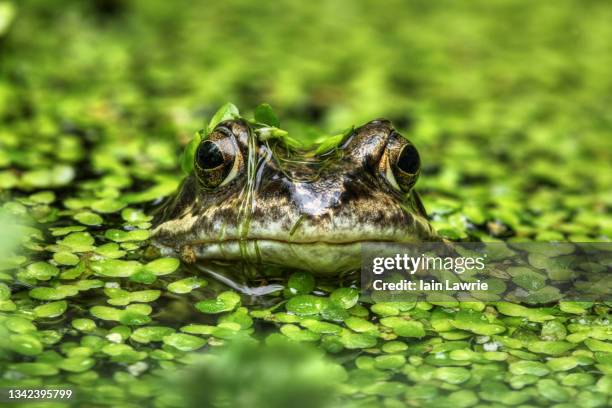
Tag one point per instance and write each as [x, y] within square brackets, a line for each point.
[429, 285]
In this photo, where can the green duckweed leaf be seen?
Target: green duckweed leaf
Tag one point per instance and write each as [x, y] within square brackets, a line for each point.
[120, 297]
[317, 326]
[151, 333]
[106, 313]
[36, 369]
[357, 340]
[61, 231]
[25, 344]
[133, 215]
[578, 380]
[240, 317]
[403, 327]
[225, 302]
[66, 258]
[529, 367]
[452, 375]
[184, 342]
[226, 112]
[84, 325]
[88, 218]
[77, 364]
[598, 345]
[42, 271]
[188, 156]
[552, 391]
[127, 236]
[52, 309]
[115, 268]
[78, 242]
[110, 250]
[390, 361]
[301, 283]
[201, 329]
[143, 276]
[264, 114]
[18, 324]
[394, 347]
[305, 305]
[56, 293]
[345, 297]
[361, 325]
[295, 333]
[475, 322]
[163, 266]
[107, 206]
[553, 348]
[186, 285]
[134, 319]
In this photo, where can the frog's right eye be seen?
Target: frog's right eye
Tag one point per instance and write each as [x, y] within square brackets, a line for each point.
[209, 156]
[217, 162]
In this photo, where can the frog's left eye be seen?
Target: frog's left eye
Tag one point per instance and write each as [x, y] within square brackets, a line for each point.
[217, 161]
[409, 161]
[402, 164]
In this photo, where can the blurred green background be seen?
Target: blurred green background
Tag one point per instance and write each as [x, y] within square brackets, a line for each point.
[509, 101]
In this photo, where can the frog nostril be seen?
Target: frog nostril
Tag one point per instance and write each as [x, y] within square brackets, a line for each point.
[408, 160]
[209, 155]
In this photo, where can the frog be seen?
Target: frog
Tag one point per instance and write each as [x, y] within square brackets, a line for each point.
[257, 207]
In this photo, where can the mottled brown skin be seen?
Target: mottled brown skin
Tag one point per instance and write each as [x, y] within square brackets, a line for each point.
[296, 211]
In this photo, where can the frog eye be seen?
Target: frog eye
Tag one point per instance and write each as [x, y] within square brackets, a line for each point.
[216, 162]
[409, 161]
[208, 155]
[402, 165]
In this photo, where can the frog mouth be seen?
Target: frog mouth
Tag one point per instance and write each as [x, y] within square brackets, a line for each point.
[318, 257]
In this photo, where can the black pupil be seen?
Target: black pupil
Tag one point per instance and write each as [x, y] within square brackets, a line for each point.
[209, 156]
[408, 160]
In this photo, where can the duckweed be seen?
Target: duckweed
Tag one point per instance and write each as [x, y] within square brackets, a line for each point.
[345, 297]
[553, 348]
[529, 368]
[91, 146]
[186, 285]
[88, 218]
[552, 391]
[404, 328]
[84, 325]
[300, 283]
[225, 302]
[184, 342]
[42, 271]
[115, 268]
[77, 242]
[162, 266]
[357, 341]
[25, 344]
[305, 305]
[452, 375]
[51, 309]
[76, 364]
[66, 258]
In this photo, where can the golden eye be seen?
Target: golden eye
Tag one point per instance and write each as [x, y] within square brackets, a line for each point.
[401, 163]
[217, 162]
[208, 155]
[407, 167]
[408, 160]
